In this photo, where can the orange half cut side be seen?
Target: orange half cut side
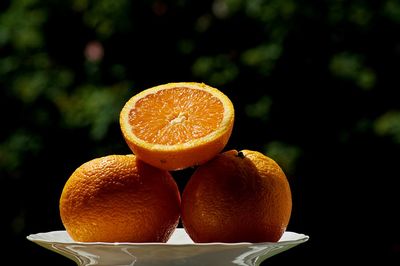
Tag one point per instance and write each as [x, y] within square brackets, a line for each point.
[177, 125]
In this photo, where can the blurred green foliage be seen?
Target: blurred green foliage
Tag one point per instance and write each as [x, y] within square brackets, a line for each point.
[311, 82]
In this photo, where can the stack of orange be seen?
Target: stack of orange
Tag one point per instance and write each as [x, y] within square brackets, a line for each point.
[231, 197]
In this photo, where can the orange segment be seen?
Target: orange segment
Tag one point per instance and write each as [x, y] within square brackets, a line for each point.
[177, 125]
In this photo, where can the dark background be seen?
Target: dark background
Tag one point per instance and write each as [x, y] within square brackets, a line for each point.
[314, 84]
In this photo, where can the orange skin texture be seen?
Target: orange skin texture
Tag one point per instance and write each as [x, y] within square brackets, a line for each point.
[237, 197]
[119, 198]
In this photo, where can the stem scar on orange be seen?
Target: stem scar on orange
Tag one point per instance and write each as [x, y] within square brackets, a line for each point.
[118, 198]
[177, 125]
[237, 197]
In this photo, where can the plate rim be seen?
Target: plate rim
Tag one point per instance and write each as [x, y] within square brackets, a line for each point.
[35, 237]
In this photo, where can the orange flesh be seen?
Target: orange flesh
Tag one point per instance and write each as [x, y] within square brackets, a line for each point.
[176, 116]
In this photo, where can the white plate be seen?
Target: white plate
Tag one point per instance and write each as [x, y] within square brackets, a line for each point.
[179, 250]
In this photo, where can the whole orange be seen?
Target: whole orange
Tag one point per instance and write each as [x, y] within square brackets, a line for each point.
[118, 198]
[237, 197]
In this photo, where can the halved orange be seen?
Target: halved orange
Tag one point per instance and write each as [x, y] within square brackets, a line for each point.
[177, 125]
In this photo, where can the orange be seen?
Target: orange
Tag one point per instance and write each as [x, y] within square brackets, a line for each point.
[118, 198]
[177, 125]
[237, 197]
